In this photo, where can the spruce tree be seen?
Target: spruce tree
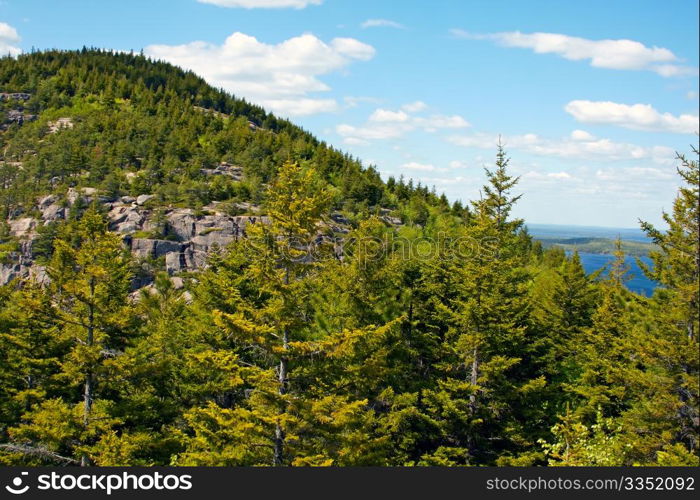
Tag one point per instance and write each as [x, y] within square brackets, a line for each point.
[88, 288]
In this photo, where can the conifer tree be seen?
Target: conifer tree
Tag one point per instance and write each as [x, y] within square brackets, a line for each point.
[88, 288]
[677, 264]
[283, 253]
[490, 322]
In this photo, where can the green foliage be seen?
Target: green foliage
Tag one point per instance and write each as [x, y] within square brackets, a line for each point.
[452, 339]
[150, 130]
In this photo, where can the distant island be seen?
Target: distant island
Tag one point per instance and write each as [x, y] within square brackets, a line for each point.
[592, 239]
[599, 245]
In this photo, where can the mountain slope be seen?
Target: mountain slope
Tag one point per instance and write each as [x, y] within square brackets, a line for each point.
[115, 128]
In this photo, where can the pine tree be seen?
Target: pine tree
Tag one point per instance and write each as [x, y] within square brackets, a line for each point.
[31, 350]
[677, 264]
[675, 323]
[88, 288]
[282, 254]
[489, 335]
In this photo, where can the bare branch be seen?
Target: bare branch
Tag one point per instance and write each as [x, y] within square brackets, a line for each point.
[38, 452]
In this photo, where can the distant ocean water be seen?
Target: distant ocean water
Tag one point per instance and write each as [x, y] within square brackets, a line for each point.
[591, 262]
[559, 231]
[637, 282]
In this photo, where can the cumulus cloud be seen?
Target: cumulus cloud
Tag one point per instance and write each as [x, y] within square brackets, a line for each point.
[581, 135]
[9, 40]
[371, 131]
[385, 115]
[423, 167]
[382, 23]
[574, 148]
[353, 49]
[436, 122]
[263, 4]
[354, 101]
[535, 177]
[279, 76]
[444, 182]
[633, 183]
[389, 124]
[619, 54]
[458, 164]
[635, 116]
[414, 107]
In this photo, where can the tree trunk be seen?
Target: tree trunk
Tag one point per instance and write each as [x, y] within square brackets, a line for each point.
[474, 378]
[278, 458]
[88, 393]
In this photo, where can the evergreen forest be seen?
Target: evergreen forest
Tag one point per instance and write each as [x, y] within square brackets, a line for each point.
[346, 321]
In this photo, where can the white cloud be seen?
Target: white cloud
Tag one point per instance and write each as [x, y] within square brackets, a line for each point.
[382, 23]
[354, 101]
[355, 141]
[263, 4]
[388, 124]
[424, 167]
[436, 122]
[581, 135]
[354, 49]
[9, 40]
[385, 115]
[619, 54]
[279, 76]
[441, 181]
[592, 148]
[414, 107]
[635, 116]
[302, 106]
[371, 132]
[546, 177]
[458, 164]
[612, 174]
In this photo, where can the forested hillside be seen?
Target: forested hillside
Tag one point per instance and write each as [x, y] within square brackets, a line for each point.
[192, 281]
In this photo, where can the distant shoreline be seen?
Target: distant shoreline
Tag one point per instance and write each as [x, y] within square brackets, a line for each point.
[592, 239]
[604, 246]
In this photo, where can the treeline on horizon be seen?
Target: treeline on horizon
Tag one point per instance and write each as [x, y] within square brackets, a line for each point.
[513, 356]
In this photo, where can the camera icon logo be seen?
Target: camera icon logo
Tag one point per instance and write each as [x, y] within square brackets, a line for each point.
[17, 483]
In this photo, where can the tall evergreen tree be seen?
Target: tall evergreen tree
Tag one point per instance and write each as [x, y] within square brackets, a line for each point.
[88, 288]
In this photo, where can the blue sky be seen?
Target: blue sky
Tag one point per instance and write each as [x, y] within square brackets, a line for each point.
[591, 99]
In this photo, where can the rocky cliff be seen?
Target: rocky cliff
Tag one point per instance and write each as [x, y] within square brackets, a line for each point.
[183, 237]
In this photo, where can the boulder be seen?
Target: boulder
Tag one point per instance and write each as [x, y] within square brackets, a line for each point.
[339, 218]
[175, 262]
[181, 223]
[72, 195]
[118, 214]
[144, 198]
[125, 219]
[145, 248]
[61, 123]
[394, 221]
[53, 212]
[46, 201]
[22, 227]
[9, 272]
